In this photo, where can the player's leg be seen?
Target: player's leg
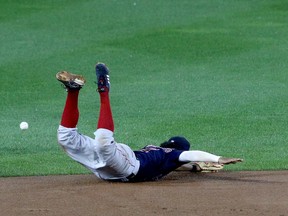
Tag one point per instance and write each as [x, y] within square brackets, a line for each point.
[73, 83]
[68, 136]
[70, 113]
[105, 120]
[120, 159]
[105, 125]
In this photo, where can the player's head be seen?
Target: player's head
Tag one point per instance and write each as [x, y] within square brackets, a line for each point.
[177, 142]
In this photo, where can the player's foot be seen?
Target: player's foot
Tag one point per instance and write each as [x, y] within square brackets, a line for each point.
[102, 74]
[71, 81]
[223, 160]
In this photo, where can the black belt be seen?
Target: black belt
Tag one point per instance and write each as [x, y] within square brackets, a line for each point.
[127, 179]
[131, 176]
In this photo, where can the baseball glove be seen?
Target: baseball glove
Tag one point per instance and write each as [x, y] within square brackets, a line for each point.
[201, 167]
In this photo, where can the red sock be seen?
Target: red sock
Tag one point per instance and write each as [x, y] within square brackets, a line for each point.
[105, 117]
[70, 114]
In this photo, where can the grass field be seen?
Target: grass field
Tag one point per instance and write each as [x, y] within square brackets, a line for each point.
[214, 71]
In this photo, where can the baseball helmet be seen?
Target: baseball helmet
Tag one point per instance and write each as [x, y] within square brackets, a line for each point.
[177, 142]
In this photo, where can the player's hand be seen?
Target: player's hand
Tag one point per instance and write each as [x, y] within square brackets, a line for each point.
[223, 160]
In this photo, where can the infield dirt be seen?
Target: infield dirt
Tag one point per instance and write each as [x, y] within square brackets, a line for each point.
[180, 193]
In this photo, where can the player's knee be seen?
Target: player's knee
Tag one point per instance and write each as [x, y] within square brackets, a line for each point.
[103, 137]
[64, 135]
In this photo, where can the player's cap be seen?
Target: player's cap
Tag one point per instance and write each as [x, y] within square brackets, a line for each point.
[179, 143]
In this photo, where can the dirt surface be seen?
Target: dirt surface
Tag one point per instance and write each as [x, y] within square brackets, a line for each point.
[180, 193]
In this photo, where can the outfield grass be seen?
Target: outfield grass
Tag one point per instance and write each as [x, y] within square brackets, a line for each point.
[214, 71]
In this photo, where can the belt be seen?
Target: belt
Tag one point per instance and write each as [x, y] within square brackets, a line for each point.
[131, 176]
[127, 179]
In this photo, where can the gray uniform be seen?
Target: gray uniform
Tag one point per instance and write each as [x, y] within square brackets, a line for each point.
[107, 159]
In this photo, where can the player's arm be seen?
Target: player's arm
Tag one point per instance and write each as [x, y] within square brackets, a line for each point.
[200, 161]
[202, 156]
[224, 160]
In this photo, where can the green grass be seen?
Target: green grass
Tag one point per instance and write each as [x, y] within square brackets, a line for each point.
[214, 71]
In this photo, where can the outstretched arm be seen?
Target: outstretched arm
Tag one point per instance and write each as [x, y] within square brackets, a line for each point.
[199, 161]
[223, 160]
[201, 156]
[197, 156]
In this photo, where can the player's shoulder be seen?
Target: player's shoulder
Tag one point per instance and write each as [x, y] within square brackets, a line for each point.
[151, 147]
[156, 148]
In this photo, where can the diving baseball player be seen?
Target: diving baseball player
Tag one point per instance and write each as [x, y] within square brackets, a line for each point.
[113, 161]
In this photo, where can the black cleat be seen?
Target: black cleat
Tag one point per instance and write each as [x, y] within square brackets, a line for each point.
[70, 81]
[102, 74]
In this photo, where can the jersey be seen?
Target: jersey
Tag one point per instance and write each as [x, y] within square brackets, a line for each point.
[156, 162]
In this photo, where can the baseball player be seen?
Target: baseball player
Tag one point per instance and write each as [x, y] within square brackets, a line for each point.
[113, 161]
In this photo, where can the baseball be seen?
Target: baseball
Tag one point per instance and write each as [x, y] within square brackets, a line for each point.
[24, 125]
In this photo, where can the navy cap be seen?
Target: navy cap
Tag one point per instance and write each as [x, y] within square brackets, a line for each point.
[179, 143]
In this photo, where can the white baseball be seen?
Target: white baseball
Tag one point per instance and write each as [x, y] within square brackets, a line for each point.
[24, 125]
